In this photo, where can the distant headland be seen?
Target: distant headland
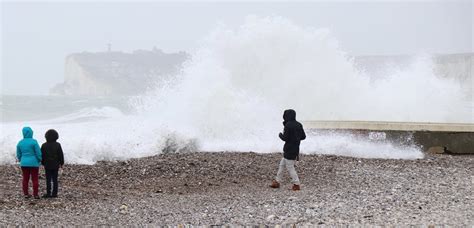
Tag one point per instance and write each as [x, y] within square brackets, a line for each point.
[117, 73]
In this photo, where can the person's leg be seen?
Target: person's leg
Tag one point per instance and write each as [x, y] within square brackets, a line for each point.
[290, 165]
[34, 177]
[48, 181]
[54, 177]
[281, 167]
[26, 178]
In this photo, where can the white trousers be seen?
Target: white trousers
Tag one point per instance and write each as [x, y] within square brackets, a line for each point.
[290, 166]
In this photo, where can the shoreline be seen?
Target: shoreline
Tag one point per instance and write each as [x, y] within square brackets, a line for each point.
[222, 188]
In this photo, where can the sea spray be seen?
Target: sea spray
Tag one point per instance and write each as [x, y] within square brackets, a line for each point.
[231, 94]
[236, 86]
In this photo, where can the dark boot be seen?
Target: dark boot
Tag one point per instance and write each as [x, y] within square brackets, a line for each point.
[275, 184]
[296, 187]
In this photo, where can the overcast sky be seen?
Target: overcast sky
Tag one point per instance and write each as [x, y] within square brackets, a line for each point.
[36, 36]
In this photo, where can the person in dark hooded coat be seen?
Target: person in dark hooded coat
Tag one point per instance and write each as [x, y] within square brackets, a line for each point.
[53, 159]
[293, 133]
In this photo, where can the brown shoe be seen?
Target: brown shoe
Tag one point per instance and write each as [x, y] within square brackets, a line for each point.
[275, 184]
[296, 187]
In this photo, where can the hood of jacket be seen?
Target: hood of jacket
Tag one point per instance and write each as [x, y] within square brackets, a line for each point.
[27, 132]
[289, 115]
[51, 135]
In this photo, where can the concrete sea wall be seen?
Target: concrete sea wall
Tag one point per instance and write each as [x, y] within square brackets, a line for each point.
[434, 137]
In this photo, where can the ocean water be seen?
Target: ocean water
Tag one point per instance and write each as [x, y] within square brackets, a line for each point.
[231, 94]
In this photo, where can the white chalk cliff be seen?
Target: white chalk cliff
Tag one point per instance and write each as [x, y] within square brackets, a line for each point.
[117, 73]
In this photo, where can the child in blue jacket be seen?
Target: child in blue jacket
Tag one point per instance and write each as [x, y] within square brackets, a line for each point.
[28, 153]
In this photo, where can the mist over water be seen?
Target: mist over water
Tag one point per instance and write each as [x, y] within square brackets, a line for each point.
[231, 95]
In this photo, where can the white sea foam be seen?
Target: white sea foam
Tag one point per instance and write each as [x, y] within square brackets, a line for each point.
[86, 114]
[230, 97]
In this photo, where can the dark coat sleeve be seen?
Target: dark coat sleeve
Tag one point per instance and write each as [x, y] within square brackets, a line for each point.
[303, 134]
[285, 135]
[61, 155]
[43, 154]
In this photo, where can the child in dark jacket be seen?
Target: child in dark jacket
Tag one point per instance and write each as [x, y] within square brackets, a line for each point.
[293, 133]
[53, 159]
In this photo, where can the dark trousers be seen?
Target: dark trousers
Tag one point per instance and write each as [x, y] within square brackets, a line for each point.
[52, 176]
[27, 172]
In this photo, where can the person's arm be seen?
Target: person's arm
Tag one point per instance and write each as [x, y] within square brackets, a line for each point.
[61, 156]
[284, 136]
[43, 154]
[18, 152]
[38, 152]
[303, 134]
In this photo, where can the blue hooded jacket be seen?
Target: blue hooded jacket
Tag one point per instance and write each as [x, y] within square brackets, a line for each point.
[28, 150]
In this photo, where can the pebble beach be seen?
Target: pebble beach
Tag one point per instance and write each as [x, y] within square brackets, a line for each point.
[232, 188]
